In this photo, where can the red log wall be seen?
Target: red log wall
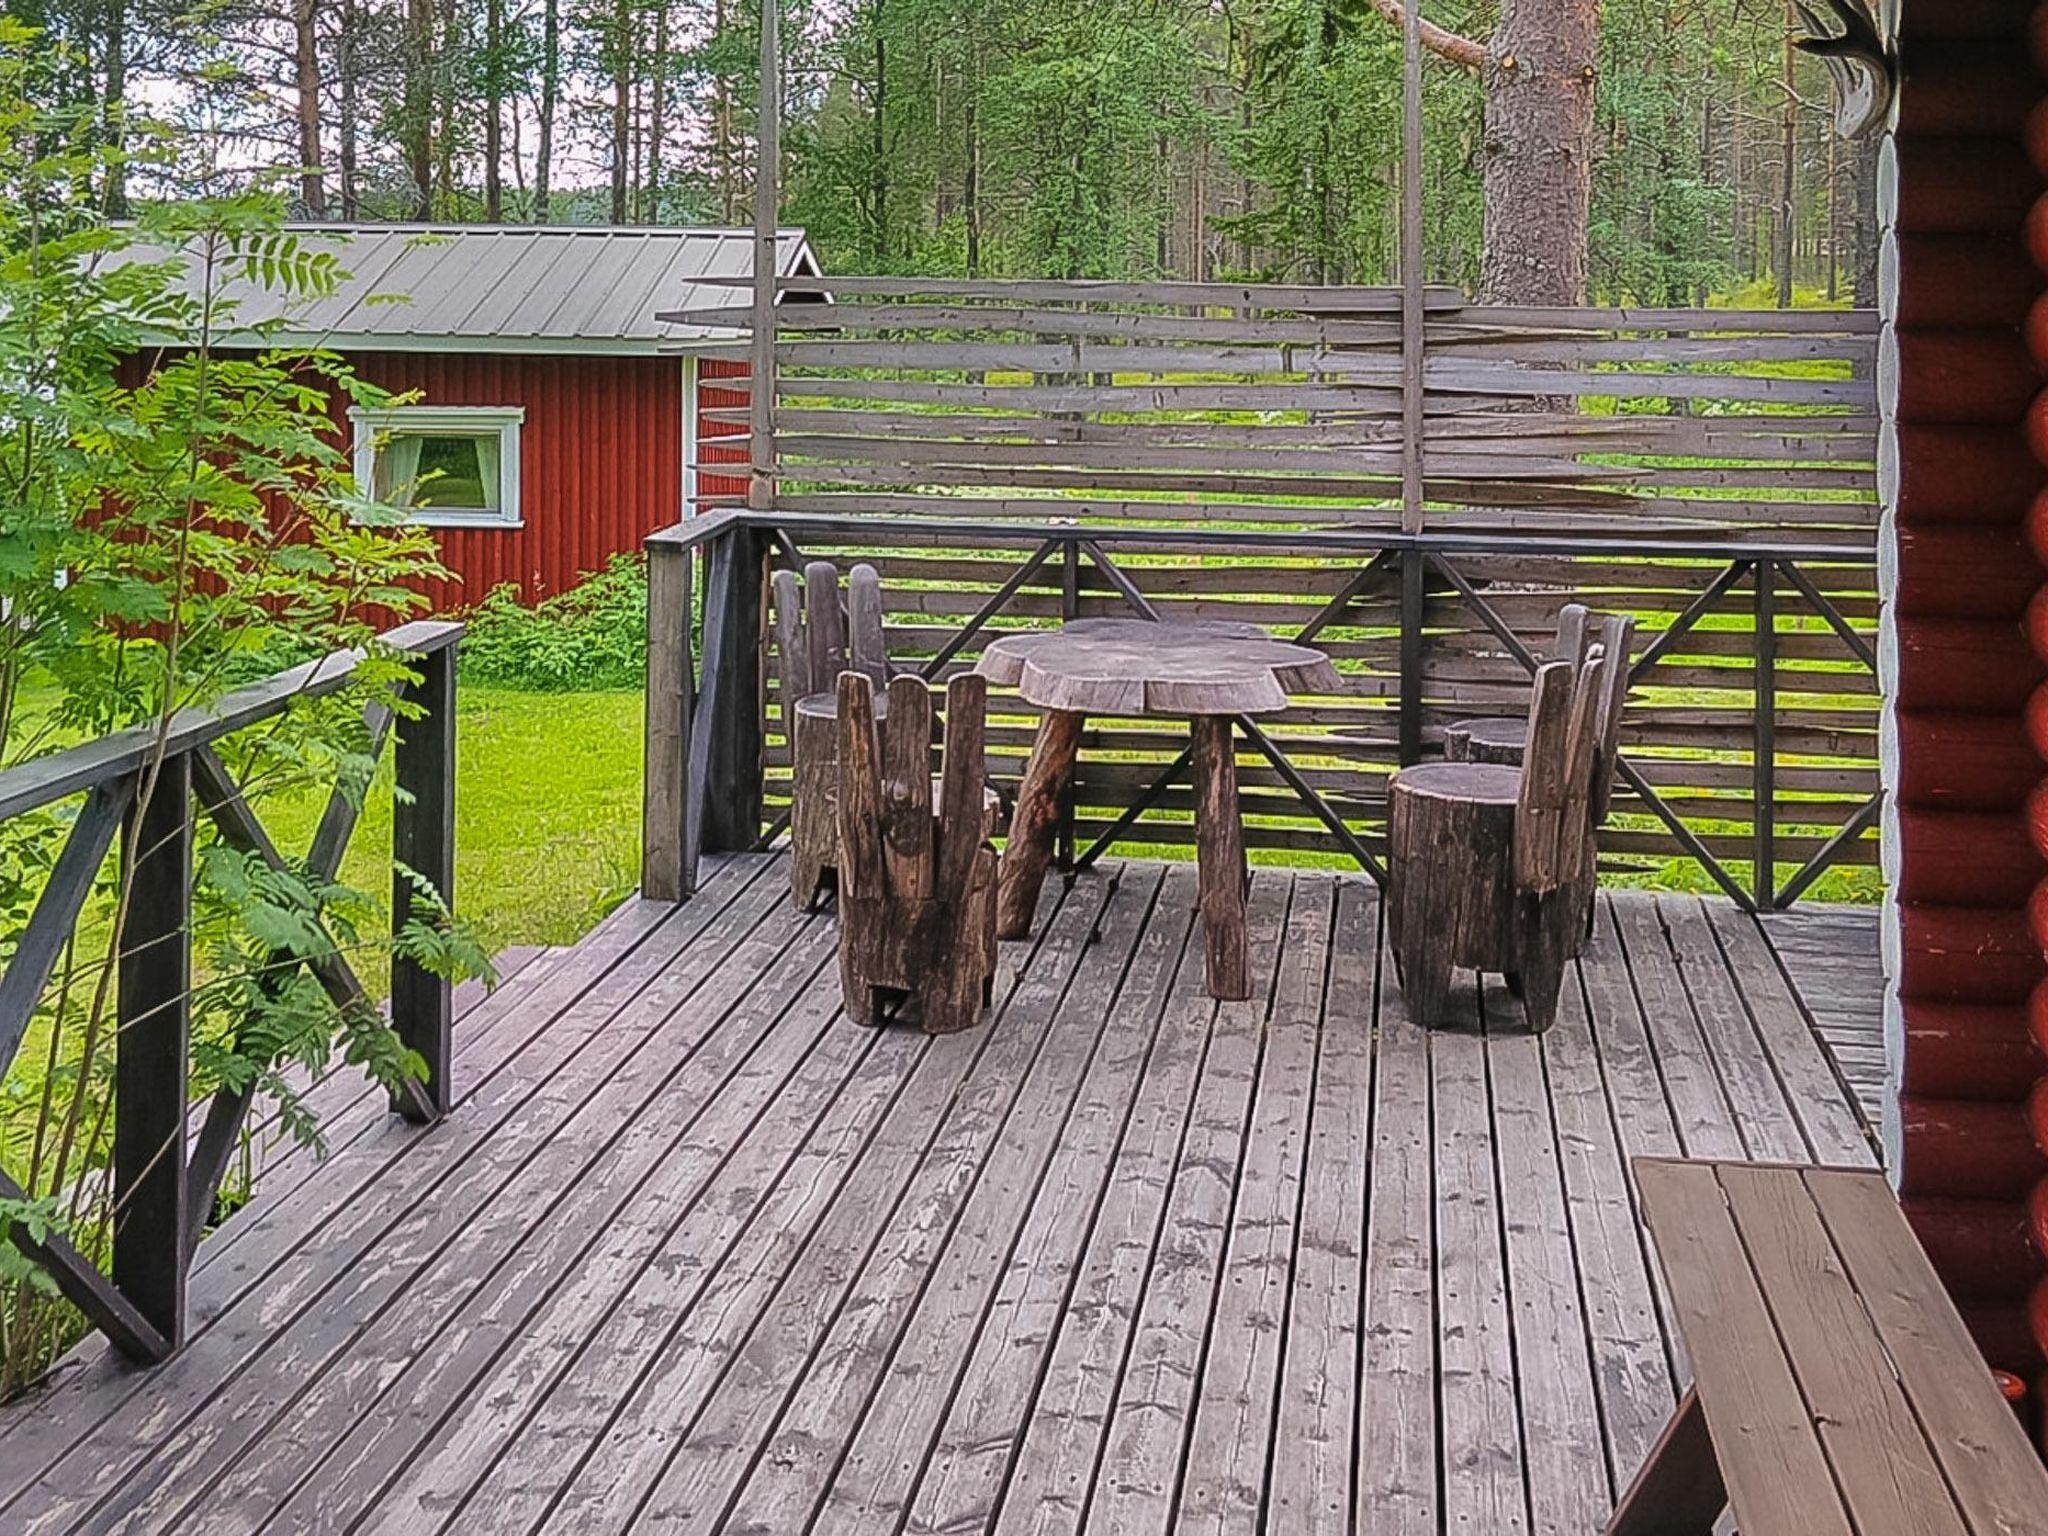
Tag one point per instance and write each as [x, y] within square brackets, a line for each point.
[1964, 366]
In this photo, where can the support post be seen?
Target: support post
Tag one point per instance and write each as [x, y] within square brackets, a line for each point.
[1412, 419]
[668, 862]
[767, 265]
[726, 738]
[1414, 568]
[423, 845]
[1764, 767]
[152, 1006]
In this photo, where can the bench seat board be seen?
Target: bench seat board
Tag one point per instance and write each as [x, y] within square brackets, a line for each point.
[1842, 1392]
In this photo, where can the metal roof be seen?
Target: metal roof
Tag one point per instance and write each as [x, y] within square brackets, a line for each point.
[502, 288]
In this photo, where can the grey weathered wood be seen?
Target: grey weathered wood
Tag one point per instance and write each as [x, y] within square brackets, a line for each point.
[891, 1252]
[1219, 845]
[917, 896]
[726, 738]
[1135, 666]
[1027, 855]
[667, 862]
[866, 1281]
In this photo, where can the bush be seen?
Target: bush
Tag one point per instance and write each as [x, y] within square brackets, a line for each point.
[592, 636]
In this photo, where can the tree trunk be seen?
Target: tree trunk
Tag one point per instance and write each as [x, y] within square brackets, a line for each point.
[419, 104]
[114, 101]
[1788, 169]
[345, 82]
[550, 98]
[306, 85]
[1539, 76]
[1863, 245]
[494, 110]
[879, 173]
[622, 102]
[970, 186]
[657, 114]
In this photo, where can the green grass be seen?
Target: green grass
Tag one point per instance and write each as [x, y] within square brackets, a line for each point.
[547, 813]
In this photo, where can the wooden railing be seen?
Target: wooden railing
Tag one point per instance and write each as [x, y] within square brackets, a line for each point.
[149, 786]
[1750, 736]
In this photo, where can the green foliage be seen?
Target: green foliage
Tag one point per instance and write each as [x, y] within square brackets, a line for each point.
[592, 636]
[177, 515]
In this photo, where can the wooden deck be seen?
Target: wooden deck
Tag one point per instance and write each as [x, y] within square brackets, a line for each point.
[694, 1254]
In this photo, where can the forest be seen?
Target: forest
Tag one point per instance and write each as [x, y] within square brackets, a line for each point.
[1205, 139]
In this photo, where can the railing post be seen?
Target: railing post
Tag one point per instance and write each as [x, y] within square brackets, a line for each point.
[1764, 770]
[668, 862]
[726, 743]
[423, 845]
[1414, 568]
[152, 1007]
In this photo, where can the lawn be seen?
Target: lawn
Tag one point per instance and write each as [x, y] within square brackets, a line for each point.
[547, 813]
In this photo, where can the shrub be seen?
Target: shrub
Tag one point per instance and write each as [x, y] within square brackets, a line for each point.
[592, 636]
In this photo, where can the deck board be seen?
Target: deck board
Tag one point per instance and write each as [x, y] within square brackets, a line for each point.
[695, 1254]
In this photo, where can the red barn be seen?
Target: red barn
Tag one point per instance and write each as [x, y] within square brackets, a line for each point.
[555, 422]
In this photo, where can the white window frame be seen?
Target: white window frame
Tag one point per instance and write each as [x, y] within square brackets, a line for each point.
[369, 424]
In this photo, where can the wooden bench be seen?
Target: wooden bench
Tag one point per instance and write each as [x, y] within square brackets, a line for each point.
[1835, 1390]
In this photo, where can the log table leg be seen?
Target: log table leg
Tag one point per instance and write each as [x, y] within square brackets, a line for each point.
[1219, 855]
[1028, 853]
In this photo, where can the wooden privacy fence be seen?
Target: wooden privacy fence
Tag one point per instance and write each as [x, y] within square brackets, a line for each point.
[1187, 403]
[148, 788]
[1420, 499]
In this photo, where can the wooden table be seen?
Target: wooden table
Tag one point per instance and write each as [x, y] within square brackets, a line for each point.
[1836, 1391]
[1212, 673]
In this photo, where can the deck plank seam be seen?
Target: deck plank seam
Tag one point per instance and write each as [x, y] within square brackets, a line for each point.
[980, 1159]
[410, 1144]
[618, 1072]
[1182, 951]
[1043, 934]
[715, 1095]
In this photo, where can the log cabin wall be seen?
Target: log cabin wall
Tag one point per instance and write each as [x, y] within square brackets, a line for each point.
[1960, 541]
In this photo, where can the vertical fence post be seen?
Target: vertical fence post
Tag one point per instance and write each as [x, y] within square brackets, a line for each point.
[668, 863]
[1764, 774]
[1413, 570]
[423, 843]
[726, 742]
[152, 1007]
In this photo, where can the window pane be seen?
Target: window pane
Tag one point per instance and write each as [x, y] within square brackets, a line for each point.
[444, 470]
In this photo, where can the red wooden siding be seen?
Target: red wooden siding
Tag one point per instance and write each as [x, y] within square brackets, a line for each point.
[601, 460]
[1964, 675]
[712, 397]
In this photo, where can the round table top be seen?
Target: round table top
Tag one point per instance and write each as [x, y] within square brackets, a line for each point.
[1148, 667]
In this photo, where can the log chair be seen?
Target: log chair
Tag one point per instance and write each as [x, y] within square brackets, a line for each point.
[1492, 867]
[1502, 740]
[917, 872]
[815, 640]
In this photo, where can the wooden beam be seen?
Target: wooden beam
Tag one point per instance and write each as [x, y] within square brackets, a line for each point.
[423, 846]
[152, 1050]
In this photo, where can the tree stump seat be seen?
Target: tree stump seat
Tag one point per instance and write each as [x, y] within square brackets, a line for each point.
[816, 639]
[1491, 867]
[916, 869]
[1487, 741]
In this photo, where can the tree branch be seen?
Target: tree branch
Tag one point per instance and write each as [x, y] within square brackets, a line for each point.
[1461, 51]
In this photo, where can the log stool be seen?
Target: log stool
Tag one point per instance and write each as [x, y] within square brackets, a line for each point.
[1491, 867]
[916, 869]
[815, 640]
